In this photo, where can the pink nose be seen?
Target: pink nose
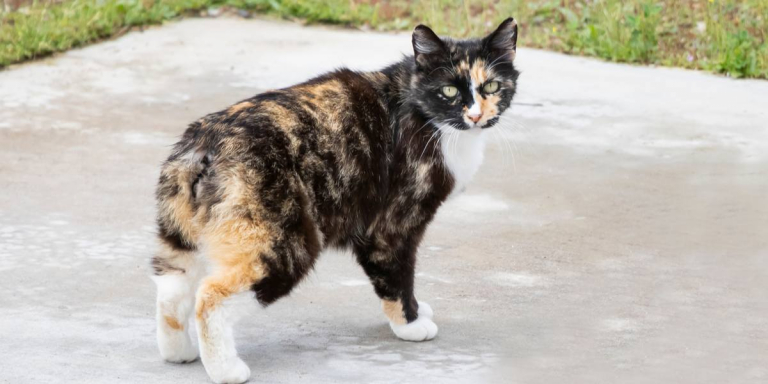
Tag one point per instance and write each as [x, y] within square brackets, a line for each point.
[475, 118]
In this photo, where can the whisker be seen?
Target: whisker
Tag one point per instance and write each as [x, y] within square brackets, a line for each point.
[494, 62]
[435, 147]
[456, 143]
[511, 127]
[434, 134]
[503, 151]
[511, 149]
[451, 142]
[418, 130]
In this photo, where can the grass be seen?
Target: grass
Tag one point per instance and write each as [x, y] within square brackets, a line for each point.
[41, 29]
[722, 36]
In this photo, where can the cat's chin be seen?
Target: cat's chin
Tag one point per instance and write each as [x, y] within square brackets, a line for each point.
[490, 123]
[474, 127]
[463, 127]
[466, 126]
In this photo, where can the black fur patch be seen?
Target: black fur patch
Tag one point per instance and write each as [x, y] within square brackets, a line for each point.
[173, 239]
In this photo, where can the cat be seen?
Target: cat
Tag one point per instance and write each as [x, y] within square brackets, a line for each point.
[360, 160]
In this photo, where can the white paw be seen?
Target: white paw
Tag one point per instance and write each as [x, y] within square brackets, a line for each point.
[233, 371]
[176, 347]
[425, 310]
[185, 355]
[420, 329]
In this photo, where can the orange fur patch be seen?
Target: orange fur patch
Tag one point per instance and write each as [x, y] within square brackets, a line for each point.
[239, 107]
[235, 246]
[173, 323]
[327, 102]
[376, 78]
[282, 117]
[478, 73]
[178, 209]
[324, 89]
[394, 311]
[489, 105]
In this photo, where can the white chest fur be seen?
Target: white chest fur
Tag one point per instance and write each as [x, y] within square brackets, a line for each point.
[463, 154]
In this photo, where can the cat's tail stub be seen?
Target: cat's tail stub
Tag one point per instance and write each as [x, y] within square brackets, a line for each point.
[177, 212]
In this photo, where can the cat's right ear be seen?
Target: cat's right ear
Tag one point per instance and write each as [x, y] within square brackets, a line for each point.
[425, 44]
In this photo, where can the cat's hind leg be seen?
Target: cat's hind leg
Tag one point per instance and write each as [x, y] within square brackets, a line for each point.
[175, 266]
[245, 253]
[176, 275]
[235, 249]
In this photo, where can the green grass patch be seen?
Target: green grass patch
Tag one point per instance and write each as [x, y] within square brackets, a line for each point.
[723, 36]
[41, 29]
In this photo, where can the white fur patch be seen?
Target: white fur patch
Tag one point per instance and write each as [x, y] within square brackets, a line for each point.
[421, 329]
[175, 301]
[425, 310]
[217, 349]
[463, 153]
[475, 109]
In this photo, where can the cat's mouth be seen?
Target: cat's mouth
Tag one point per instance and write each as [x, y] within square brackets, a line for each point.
[479, 125]
[469, 126]
[491, 122]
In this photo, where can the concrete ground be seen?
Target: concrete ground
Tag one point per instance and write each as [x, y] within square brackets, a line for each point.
[620, 236]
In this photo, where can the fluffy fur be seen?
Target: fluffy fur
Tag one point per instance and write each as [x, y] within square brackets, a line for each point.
[360, 160]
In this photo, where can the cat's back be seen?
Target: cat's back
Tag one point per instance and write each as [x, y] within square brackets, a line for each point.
[338, 102]
[332, 132]
[340, 109]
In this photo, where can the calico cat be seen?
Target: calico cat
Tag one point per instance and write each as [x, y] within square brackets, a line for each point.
[361, 160]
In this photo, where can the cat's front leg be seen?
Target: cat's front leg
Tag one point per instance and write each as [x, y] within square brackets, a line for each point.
[392, 273]
[420, 329]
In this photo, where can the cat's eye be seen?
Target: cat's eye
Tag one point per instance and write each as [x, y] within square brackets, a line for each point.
[491, 87]
[450, 91]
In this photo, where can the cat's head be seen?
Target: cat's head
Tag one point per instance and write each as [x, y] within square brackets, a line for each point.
[465, 84]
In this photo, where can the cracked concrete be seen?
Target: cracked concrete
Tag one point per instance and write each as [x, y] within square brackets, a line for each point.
[618, 231]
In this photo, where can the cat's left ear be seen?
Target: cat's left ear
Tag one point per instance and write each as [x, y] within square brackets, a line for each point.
[503, 41]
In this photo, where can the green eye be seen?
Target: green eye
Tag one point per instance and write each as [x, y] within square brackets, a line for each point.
[450, 91]
[491, 87]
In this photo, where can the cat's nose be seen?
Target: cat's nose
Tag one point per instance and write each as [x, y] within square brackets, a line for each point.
[475, 118]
